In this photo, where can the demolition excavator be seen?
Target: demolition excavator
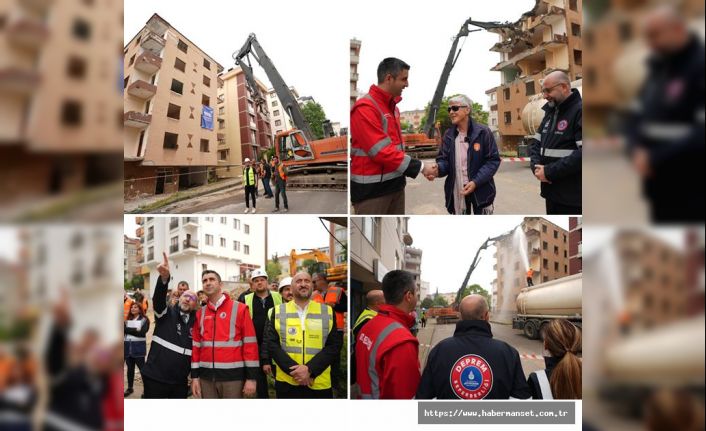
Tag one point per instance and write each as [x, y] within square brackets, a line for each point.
[311, 163]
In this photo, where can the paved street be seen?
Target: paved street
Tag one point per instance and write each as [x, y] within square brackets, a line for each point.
[232, 201]
[517, 192]
[529, 350]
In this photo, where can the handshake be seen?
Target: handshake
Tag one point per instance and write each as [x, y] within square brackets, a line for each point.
[430, 171]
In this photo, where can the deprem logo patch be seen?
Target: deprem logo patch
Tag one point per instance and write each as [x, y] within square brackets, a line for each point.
[471, 378]
[563, 124]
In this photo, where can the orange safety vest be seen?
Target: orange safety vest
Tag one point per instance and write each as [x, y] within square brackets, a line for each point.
[530, 273]
[280, 169]
[332, 298]
[317, 297]
[126, 308]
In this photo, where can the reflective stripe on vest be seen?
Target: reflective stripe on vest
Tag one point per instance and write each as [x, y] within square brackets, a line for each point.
[372, 372]
[666, 131]
[544, 387]
[338, 291]
[171, 346]
[377, 178]
[250, 180]
[287, 322]
[366, 315]
[551, 152]
[276, 299]
[225, 365]
[133, 338]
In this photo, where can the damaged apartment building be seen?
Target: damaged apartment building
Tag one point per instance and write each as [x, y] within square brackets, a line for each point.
[170, 90]
[545, 39]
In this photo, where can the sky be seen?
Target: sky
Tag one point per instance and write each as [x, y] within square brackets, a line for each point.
[285, 232]
[421, 35]
[293, 34]
[450, 243]
[9, 245]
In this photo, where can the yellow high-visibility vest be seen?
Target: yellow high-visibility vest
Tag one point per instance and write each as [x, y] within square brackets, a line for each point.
[250, 180]
[302, 344]
[276, 299]
[366, 315]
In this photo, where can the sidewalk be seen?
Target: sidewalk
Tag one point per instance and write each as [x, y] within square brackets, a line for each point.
[425, 337]
[153, 202]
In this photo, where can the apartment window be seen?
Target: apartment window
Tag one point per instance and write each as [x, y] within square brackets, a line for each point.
[556, 250]
[508, 117]
[275, 112]
[506, 93]
[173, 111]
[174, 244]
[246, 229]
[564, 238]
[566, 269]
[150, 253]
[150, 233]
[278, 122]
[221, 110]
[545, 264]
[204, 267]
[565, 254]
[206, 64]
[544, 245]
[544, 228]
[246, 249]
[573, 5]
[209, 219]
[170, 141]
[209, 239]
[578, 57]
[179, 64]
[275, 103]
[556, 266]
[529, 88]
[236, 245]
[132, 60]
[183, 47]
[177, 86]
[72, 113]
[556, 234]
[236, 224]
[81, 29]
[205, 100]
[575, 29]
[126, 81]
[173, 223]
[224, 220]
[369, 229]
[206, 81]
[223, 242]
[204, 145]
[221, 124]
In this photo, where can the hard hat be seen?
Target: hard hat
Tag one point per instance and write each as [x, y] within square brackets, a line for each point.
[257, 273]
[247, 160]
[286, 281]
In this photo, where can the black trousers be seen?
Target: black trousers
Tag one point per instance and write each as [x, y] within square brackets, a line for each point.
[159, 390]
[250, 192]
[529, 281]
[131, 362]
[281, 189]
[561, 209]
[287, 391]
[261, 379]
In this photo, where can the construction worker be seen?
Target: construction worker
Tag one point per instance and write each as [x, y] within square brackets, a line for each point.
[250, 185]
[280, 176]
[387, 354]
[665, 131]
[530, 273]
[127, 303]
[166, 371]
[378, 162]
[373, 300]
[303, 359]
[285, 289]
[472, 365]
[320, 289]
[259, 302]
[335, 297]
[265, 175]
[555, 151]
[224, 360]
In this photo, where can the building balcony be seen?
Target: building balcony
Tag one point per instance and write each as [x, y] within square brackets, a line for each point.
[140, 232]
[354, 77]
[535, 251]
[18, 81]
[220, 82]
[36, 5]
[142, 89]
[157, 25]
[152, 42]
[148, 62]
[355, 59]
[190, 246]
[531, 231]
[190, 222]
[556, 41]
[137, 120]
[26, 32]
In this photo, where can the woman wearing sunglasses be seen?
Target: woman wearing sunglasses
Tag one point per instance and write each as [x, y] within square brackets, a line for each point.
[469, 159]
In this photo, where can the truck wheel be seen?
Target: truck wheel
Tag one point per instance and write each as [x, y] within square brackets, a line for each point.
[530, 330]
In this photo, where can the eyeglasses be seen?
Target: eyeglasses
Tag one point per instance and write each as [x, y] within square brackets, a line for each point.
[547, 90]
[456, 108]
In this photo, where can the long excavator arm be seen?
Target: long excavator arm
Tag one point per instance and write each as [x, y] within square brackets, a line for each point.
[476, 261]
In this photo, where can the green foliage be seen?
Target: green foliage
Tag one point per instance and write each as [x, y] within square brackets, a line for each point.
[309, 265]
[440, 301]
[273, 268]
[477, 113]
[427, 302]
[315, 116]
[476, 289]
[406, 126]
[136, 282]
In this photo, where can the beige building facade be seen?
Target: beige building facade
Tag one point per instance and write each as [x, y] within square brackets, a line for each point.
[355, 59]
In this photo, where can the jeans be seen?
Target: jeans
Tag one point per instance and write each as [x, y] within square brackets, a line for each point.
[281, 188]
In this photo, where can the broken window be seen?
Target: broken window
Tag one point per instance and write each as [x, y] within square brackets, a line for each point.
[183, 47]
[506, 94]
[82, 29]
[177, 86]
[575, 29]
[72, 113]
[179, 64]
[573, 5]
[206, 81]
[529, 88]
[174, 111]
[577, 57]
[206, 64]
[170, 140]
[204, 145]
[508, 117]
[205, 100]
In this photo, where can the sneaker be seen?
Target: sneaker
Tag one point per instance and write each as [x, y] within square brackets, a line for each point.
[254, 210]
[247, 210]
[128, 392]
[276, 210]
[286, 210]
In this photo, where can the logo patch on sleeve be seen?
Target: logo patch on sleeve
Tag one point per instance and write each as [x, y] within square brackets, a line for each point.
[471, 378]
[563, 124]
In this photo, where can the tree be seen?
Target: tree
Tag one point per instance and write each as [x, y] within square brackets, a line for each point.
[310, 266]
[440, 301]
[427, 302]
[136, 282]
[477, 113]
[273, 268]
[476, 289]
[406, 126]
[314, 115]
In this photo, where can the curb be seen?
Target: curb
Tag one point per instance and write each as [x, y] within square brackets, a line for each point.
[190, 196]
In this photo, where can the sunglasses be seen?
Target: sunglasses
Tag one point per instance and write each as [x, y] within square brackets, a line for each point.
[456, 108]
[549, 89]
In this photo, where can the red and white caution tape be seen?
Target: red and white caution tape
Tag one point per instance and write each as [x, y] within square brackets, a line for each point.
[515, 159]
[531, 356]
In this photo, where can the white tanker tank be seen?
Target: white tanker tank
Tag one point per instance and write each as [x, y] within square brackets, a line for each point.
[555, 299]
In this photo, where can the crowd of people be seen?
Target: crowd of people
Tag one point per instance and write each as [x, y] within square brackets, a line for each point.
[469, 365]
[269, 173]
[212, 344]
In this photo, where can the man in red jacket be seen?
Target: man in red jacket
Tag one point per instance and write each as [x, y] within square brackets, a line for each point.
[387, 354]
[378, 162]
[224, 353]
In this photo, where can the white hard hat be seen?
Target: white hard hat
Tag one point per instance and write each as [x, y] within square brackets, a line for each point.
[247, 160]
[257, 273]
[286, 281]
